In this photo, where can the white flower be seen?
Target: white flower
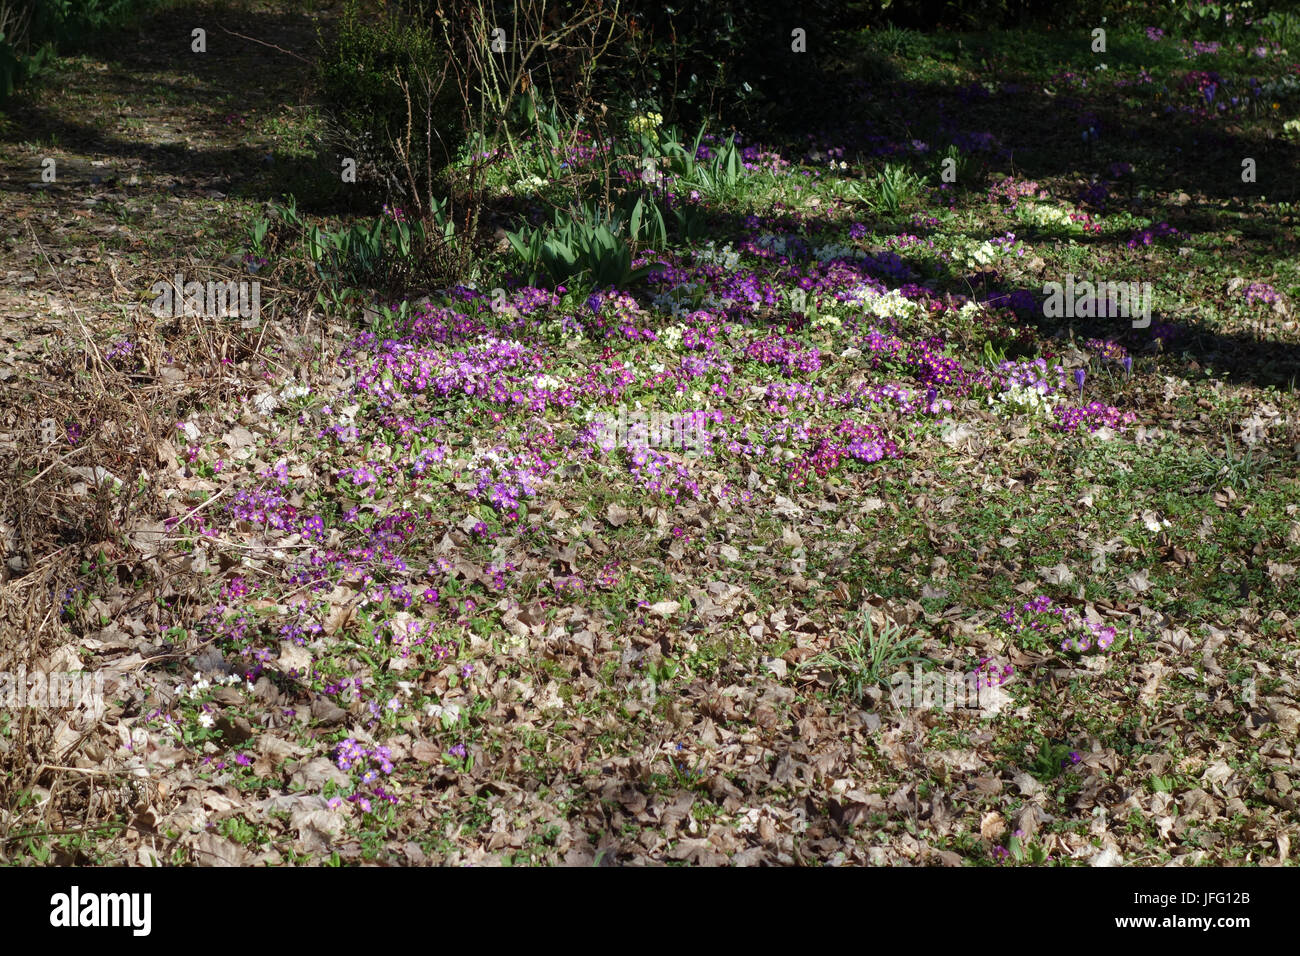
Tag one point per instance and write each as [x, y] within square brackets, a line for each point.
[972, 255]
[1041, 214]
[1153, 523]
[566, 334]
[205, 720]
[835, 251]
[726, 256]
[529, 184]
[893, 305]
[1017, 398]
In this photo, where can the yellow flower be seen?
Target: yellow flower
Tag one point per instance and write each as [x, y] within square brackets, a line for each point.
[645, 122]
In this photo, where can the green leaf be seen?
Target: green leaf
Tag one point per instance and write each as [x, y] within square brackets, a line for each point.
[636, 219]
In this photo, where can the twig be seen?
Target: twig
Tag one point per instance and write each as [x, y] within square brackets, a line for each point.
[102, 773]
[199, 507]
[264, 43]
[95, 352]
[60, 461]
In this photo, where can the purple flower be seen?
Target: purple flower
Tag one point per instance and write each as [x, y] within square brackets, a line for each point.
[1079, 376]
[1261, 292]
[1127, 362]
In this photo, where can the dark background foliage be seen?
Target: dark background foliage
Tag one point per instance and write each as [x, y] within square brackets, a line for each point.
[32, 31]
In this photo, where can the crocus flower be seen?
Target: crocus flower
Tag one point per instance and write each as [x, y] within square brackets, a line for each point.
[1079, 376]
[1128, 366]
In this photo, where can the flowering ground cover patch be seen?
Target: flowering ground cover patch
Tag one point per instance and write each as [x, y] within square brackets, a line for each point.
[393, 580]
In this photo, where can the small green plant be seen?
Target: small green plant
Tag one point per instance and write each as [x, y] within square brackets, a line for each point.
[1051, 759]
[895, 186]
[587, 245]
[993, 355]
[899, 41]
[645, 220]
[288, 213]
[257, 231]
[681, 159]
[719, 176]
[378, 254]
[40, 852]
[1238, 470]
[716, 177]
[867, 659]
[662, 671]
[690, 222]
[241, 831]
[1022, 850]
[1163, 784]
